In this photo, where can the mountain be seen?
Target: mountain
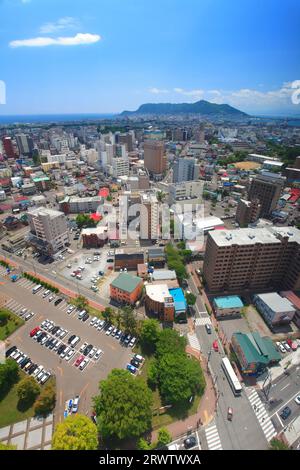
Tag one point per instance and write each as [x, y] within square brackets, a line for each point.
[200, 107]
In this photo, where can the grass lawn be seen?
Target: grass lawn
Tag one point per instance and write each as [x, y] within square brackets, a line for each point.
[175, 413]
[12, 324]
[9, 412]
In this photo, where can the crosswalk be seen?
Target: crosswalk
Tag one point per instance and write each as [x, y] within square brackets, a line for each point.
[194, 342]
[213, 438]
[202, 321]
[261, 414]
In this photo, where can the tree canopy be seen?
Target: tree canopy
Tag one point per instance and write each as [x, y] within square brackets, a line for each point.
[76, 432]
[28, 389]
[150, 331]
[124, 406]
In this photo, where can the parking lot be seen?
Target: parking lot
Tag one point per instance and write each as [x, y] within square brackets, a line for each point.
[91, 269]
[71, 381]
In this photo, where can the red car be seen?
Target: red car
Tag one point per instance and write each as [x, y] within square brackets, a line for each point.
[215, 346]
[79, 360]
[34, 331]
[289, 342]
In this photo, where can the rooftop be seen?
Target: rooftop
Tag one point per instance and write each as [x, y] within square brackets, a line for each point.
[157, 292]
[126, 282]
[44, 211]
[276, 302]
[231, 301]
[163, 274]
[179, 299]
[251, 236]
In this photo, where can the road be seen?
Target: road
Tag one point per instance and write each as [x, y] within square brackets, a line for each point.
[245, 431]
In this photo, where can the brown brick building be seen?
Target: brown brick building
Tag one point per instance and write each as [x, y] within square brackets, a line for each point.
[261, 259]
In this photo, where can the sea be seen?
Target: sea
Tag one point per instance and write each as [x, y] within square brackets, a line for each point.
[49, 118]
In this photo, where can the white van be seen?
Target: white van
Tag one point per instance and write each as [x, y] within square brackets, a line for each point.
[81, 314]
[75, 341]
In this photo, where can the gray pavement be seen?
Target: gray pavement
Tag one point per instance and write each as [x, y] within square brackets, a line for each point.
[30, 434]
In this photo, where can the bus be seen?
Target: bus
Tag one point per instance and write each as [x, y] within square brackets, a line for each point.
[37, 288]
[231, 377]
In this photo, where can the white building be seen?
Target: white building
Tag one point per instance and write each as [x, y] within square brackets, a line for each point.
[120, 167]
[185, 190]
[48, 230]
[149, 217]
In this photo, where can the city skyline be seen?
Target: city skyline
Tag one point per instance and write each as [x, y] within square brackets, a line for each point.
[107, 56]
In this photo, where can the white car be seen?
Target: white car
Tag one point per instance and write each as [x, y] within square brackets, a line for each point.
[70, 354]
[83, 347]
[47, 292]
[132, 342]
[51, 298]
[97, 323]
[287, 347]
[45, 377]
[97, 354]
[70, 309]
[109, 330]
[93, 352]
[280, 347]
[65, 352]
[37, 371]
[93, 320]
[101, 325]
[45, 339]
[114, 331]
[83, 364]
[40, 374]
[75, 404]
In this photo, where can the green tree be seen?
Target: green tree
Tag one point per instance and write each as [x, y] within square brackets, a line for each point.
[170, 341]
[150, 331]
[143, 444]
[164, 437]
[108, 314]
[46, 401]
[179, 378]
[27, 390]
[9, 374]
[7, 446]
[81, 302]
[190, 298]
[129, 321]
[160, 196]
[124, 406]
[84, 220]
[75, 433]
[4, 317]
[277, 444]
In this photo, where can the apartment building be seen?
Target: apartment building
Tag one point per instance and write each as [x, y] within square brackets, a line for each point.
[185, 190]
[247, 212]
[76, 205]
[259, 259]
[154, 157]
[48, 230]
[149, 217]
[120, 167]
[267, 188]
[184, 170]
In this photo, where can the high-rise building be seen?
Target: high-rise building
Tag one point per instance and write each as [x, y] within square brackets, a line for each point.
[120, 167]
[48, 230]
[25, 144]
[8, 147]
[247, 212]
[252, 260]
[149, 217]
[267, 188]
[154, 157]
[184, 170]
[125, 139]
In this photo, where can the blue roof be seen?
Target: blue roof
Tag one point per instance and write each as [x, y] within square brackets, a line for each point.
[231, 301]
[179, 299]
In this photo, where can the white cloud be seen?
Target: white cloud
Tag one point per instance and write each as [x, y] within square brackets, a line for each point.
[157, 91]
[193, 93]
[67, 22]
[78, 39]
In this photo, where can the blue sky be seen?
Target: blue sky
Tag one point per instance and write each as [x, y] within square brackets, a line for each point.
[98, 56]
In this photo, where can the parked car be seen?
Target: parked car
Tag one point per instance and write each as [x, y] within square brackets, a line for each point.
[287, 347]
[84, 363]
[127, 340]
[70, 354]
[70, 309]
[131, 368]
[45, 377]
[82, 348]
[138, 358]
[132, 342]
[285, 413]
[208, 328]
[51, 298]
[297, 400]
[79, 360]
[109, 330]
[88, 349]
[280, 347]
[34, 331]
[58, 301]
[10, 351]
[97, 354]
[216, 346]
[135, 363]
[93, 321]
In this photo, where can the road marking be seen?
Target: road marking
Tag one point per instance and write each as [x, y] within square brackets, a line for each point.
[213, 438]
[194, 342]
[60, 369]
[261, 414]
[84, 388]
[282, 406]
[284, 387]
[202, 321]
